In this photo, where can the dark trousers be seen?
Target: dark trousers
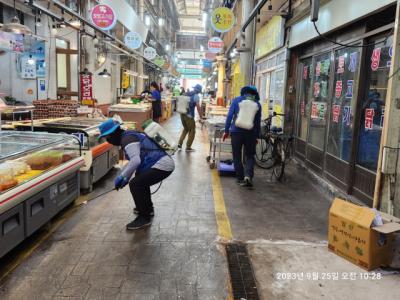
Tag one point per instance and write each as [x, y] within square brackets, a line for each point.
[247, 142]
[140, 189]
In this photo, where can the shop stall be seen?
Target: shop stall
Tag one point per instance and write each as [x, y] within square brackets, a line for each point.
[138, 113]
[39, 176]
[100, 157]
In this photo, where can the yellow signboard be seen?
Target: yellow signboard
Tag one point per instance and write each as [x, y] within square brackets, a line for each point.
[222, 19]
[125, 80]
[270, 37]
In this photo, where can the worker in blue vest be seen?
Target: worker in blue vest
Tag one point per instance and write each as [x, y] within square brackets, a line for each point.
[147, 162]
[243, 139]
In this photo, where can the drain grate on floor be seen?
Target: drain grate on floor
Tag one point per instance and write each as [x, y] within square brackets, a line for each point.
[241, 273]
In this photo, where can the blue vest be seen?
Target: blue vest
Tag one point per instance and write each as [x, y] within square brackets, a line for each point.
[150, 152]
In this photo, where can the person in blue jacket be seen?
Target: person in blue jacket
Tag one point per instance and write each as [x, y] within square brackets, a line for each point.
[155, 101]
[242, 138]
[147, 161]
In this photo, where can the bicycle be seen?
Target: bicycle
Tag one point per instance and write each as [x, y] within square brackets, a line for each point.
[273, 148]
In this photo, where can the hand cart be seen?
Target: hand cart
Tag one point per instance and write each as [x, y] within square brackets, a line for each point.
[218, 147]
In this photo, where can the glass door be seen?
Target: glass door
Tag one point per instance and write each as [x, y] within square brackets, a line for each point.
[372, 112]
[320, 99]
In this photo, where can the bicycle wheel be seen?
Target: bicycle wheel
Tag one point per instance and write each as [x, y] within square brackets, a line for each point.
[279, 161]
[263, 157]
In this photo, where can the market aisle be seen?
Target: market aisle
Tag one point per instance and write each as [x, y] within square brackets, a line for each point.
[92, 256]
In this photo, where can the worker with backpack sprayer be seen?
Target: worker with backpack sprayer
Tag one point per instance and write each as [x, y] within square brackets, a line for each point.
[186, 107]
[147, 159]
[243, 124]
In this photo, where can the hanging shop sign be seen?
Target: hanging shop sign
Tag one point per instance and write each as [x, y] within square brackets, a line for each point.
[133, 40]
[318, 110]
[335, 113]
[369, 118]
[347, 115]
[305, 72]
[159, 61]
[215, 45]
[353, 62]
[150, 53]
[341, 63]
[375, 59]
[338, 89]
[302, 108]
[103, 16]
[125, 80]
[210, 56]
[222, 19]
[349, 91]
[86, 87]
[270, 37]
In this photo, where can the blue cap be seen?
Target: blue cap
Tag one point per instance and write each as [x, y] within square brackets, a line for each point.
[198, 88]
[250, 89]
[108, 127]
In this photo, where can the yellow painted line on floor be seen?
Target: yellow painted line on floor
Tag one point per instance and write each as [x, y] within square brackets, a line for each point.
[224, 225]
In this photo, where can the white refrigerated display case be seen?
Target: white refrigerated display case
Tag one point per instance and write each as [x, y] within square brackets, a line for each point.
[39, 176]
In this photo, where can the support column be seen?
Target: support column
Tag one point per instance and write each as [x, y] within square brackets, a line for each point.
[140, 68]
[247, 41]
[387, 186]
[221, 62]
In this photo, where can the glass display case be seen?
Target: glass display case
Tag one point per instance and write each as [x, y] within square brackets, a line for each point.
[100, 157]
[26, 155]
[39, 176]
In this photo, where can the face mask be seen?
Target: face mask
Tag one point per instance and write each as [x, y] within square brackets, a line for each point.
[114, 139]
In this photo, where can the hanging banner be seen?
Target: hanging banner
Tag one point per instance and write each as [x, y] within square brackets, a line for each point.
[316, 89]
[86, 87]
[369, 118]
[389, 62]
[149, 53]
[349, 91]
[341, 63]
[215, 45]
[324, 89]
[338, 89]
[318, 69]
[314, 110]
[325, 64]
[346, 115]
[302, 108]
[353, 62]
[125, 80]
[305, 72]
[375, 59]
[103, 16]
[335, 113]
[133, 40]
[38, 53]
[382, 116]
[222, 19]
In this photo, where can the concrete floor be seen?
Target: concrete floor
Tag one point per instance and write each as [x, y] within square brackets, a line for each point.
[91, 255]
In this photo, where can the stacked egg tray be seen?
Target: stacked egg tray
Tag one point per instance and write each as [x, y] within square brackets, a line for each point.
[47, 109]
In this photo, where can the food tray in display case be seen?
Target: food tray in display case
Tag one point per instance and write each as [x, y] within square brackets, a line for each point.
[25, 156]
[39, 176]
[100, 157]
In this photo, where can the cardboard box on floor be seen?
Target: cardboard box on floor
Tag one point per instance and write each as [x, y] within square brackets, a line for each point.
[351, 236]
